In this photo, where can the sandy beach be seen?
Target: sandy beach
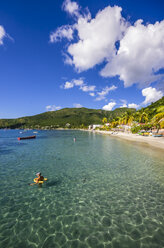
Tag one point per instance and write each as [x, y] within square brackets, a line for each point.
[157, 142]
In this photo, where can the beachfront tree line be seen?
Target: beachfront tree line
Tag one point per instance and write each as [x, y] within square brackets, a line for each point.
[140, 120]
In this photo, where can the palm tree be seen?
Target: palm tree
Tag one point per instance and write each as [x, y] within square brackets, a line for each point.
[136, 116]
[125, 118]
[114, 123]
[143, 118]
[120, 120]
[130, 120]
[157, 120]
[160, 109]
[104, 120]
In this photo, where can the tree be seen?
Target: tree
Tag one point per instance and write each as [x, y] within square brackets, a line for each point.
[130, 120]
[161, 123]
[125, 118]
[104, 120]
[137, 116]
[158, 120]
[143, 118]
[114, 123]
[160, 109]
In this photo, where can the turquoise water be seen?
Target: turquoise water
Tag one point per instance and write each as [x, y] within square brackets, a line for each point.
[101, 192]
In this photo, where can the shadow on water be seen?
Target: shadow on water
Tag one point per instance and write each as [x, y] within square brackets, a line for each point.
[9, 147]
[53, 183]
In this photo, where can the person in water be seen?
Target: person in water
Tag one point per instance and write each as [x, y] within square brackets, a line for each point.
[39, 178]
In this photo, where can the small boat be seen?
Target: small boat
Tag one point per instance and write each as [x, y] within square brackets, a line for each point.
[28, 137]
[157, 135]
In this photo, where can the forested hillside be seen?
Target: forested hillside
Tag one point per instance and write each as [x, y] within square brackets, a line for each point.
[67, 117]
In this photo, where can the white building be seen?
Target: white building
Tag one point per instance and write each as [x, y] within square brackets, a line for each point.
[94, 126]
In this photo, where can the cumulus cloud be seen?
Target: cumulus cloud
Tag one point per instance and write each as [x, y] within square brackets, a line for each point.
[133, 105]
[78, 82]
[81, 84]
[130, 105]
[87, 88]
[52, 108]
[62, 32]
[151, 95]
[104, 92]
[71, 7]
[109, 106]
[2, 34]
[124, 103]
[92, 94]
[136, 60]
[97, 38]
[74, 82]
[77, 105]
[140, 55]
[68, 85]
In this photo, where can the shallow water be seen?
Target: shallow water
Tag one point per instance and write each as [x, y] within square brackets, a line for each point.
[101, 192]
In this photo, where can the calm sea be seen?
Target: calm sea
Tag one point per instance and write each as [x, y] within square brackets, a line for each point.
[101, 192]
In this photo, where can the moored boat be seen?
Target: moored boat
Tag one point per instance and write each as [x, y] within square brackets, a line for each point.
[28, 137]
[157, 135]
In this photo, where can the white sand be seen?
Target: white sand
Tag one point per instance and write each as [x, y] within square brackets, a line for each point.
[153, 141]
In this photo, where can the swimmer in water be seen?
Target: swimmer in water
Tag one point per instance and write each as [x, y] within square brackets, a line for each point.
[39, 178]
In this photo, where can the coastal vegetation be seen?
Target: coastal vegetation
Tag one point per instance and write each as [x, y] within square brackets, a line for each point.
[151, 116]
[64, 118]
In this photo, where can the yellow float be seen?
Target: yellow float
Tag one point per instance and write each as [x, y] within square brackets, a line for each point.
[35, 180]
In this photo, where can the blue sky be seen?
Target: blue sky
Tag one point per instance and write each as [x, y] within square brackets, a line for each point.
[95, 54]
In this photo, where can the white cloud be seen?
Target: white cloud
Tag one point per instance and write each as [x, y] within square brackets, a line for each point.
[124, 103]
[74, 82]
[2, 34]
[68, 85]
[109, 106]
[139, 57]
[141, 53]
[130, 105]
[87, 88]
[79, 83]
[77, 105]
[92, 94]
[113, 87]
[104, 92]
[133, 105]
[97, 38]
[52, 108]
[62, 32]
[71, 7]
[151, 95]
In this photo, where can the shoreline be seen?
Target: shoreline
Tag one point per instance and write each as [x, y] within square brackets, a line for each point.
[157, 142]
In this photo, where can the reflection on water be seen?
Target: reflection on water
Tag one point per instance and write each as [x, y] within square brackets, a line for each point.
[101, 192]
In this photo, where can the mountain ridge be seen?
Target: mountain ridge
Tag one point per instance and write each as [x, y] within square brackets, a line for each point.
[76, 117]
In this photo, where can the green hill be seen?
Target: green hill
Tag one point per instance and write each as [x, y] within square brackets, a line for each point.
[76, 117]
[154, 108]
